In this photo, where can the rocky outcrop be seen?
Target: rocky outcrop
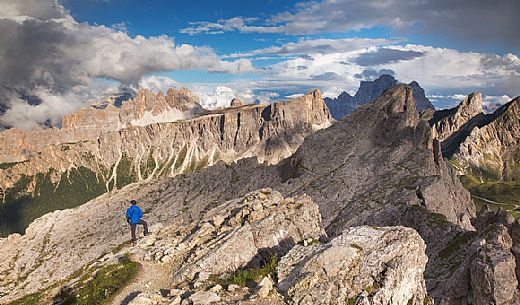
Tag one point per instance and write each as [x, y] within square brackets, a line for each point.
[367, 265]
[368, 91]
[492, 149]
[489, 270]
[485, 146]
[235, 234]
[492, 270]
[385, 157]
[228, 236]
[451, 126]
[116, 158]
[422, 103]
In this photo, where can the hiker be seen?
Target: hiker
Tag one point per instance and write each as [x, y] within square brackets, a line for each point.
[133, 217]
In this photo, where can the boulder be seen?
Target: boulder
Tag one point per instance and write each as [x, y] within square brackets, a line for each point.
[204, 297]
[258, 225]
[379, 265]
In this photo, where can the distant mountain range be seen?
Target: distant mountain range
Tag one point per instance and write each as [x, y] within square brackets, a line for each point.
[101, 149]
[369, 90]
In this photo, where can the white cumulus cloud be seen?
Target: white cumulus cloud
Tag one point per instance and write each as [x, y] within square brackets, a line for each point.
[45, 50]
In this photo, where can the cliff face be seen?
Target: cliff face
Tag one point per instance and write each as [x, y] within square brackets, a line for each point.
[451, 126]
[89, 123]
[492, 150]
[486, 146]
[368, 91]
[53, 165]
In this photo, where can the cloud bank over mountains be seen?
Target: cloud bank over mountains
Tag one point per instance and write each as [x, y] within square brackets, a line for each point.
[52, 64]
[48, 55]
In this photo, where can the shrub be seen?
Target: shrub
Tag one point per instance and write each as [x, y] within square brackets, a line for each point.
[242, 277]
[102, 286]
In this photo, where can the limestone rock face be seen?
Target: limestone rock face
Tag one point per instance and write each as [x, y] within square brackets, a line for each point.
[381, 265]
[492, 149]
[147, 107]
[204, 298]
[486, 146]
[446, 122]
[448, 125]
[262, 221]
[385, 157]
[492, 272]
[489, 271]
[422, 103]
[141, 153]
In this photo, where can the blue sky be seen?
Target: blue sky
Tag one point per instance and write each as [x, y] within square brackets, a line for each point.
[79, 50]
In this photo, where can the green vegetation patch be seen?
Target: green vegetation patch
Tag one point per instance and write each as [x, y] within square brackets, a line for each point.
[456, 243]
[165, 171]
[125, 172]
[193, 165]
[505, 195]
[244, 276]
[196, 165]
[147, 167]
[428, 300]
[102, 286]
[76, 187]
[31, 299]
[180, 158]
[433, 220]
[7, 165]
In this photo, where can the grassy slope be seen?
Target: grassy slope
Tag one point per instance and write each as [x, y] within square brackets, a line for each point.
[98, 286]
[495, 194]
[76, 187]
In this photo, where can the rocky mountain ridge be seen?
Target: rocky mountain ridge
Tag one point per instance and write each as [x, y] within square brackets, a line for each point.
[483, 145]
[379, 167]
[492, 149]
[89, 123]
[54, 167]
[369, 90]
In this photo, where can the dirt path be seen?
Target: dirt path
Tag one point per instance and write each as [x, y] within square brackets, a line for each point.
[491, 201]
[151, 278]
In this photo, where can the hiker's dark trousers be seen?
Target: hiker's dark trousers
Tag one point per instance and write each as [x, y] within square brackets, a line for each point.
[133, 226]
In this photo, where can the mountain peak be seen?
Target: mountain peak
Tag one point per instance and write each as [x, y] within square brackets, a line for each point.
[446, 122]
[368, 90]
[145, 108]
[473, 101]
[371, 89]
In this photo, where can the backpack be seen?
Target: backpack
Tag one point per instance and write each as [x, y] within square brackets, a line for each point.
[128, 220]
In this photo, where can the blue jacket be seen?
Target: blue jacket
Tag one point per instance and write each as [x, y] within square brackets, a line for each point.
[134, 213]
